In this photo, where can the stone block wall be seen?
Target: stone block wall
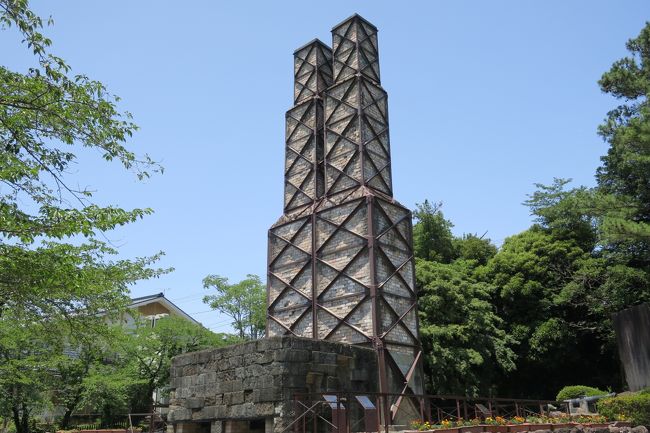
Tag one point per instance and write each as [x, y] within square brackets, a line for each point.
[257, 380]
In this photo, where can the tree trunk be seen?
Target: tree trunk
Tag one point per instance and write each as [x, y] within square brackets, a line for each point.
[66, 419]
[25, 419]
[16, 415]
[151, 389]
[21, 418]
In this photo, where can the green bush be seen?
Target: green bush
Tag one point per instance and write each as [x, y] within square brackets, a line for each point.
[633, 407]
[575, 391]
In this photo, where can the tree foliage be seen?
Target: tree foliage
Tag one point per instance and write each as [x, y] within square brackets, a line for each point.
[546, 296]
[432, 239]
[577, 391]
[623, 193]
[25, 373]
[244, 302]
[58, 277]
[463, 338]
[634, 407]
[151, 348]
[553, 288]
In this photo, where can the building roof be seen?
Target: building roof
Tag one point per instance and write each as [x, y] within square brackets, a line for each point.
[161, 299]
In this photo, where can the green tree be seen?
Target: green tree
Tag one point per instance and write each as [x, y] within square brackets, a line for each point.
[563, 212]
[244, 302]
[57, 278]
[151, 349]
[464, 342]
[527, 274]
[109, 389]
[25, 373]
[92, 373]
[71, 373]
[473, 247]
[463, 338]
[432, 238]
[623, 193]
[603, 281]
[556, 292]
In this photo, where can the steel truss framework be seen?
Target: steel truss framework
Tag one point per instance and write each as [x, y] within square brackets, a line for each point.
[303, 175]
[341, 264]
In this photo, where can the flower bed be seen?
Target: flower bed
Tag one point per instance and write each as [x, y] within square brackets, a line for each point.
[107, 430]
[513, 425]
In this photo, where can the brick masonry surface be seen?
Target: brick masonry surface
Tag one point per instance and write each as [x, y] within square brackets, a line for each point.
[258, 379]
[340, 259]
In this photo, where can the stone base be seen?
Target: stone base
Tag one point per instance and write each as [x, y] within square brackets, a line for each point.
[249, 387]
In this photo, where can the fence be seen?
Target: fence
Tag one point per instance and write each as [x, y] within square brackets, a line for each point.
[145, 422]
[97, 421]
[373, 412]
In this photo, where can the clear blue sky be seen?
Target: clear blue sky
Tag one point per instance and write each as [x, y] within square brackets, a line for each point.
[486, 98]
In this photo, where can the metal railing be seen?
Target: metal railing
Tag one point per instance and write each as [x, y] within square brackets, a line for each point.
[347, 412]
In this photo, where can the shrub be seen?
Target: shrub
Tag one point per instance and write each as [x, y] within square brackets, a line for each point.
[575, 391]
[632, 407]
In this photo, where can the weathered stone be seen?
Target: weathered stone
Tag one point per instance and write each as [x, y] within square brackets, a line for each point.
[261, 390]
[179, 414]
[235, 361]
[267, 394]
[324, 357]
[245, 410]
[333, 383]
[328, 369]
[207, 413]
[203, 356]
[233, 398]
[194, 402]
[292, 355]
[361, 375]
[250, 383]
[212, 399]
[267, 344]
[223, 386]
[221, 411]
[237, 385]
